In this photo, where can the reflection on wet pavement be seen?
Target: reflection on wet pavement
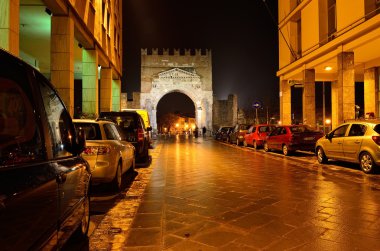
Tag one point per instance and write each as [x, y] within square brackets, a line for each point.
[199, 194]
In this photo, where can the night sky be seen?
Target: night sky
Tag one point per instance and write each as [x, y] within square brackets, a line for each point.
[241, 34]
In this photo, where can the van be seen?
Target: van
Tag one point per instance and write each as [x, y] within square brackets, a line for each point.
[144, 115]
[43, 179]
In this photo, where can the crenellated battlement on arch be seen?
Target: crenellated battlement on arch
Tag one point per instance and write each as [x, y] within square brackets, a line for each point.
[175, 52]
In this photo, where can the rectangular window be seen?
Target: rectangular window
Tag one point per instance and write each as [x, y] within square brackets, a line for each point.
[331, 19]
[372, 8]
[299, 38]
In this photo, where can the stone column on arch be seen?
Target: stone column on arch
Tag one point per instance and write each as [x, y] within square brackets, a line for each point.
[343, 90]
[90, 89]
[116, 93]
[106, 89]
[10, 25]
[308, 97]
[371, 91]
[62, 58]
[285, 103]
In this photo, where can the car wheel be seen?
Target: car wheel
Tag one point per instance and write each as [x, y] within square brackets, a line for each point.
[321, 157]
[255, 144]
[82, 230]
[266, 147]
[116, 183]
[244, 143]
[367, 164]
[285, 150]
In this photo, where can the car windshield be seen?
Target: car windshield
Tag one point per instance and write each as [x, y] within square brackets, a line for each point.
[91, 130]
[304, 128]
[224, 129]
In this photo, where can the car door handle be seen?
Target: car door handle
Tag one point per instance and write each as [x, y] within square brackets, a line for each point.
[357, 142]
[339, 143]
[61, 178]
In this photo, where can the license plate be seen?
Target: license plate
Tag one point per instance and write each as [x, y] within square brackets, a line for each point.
[308, 138]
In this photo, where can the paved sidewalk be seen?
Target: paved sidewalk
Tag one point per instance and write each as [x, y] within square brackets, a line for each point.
[202, 195]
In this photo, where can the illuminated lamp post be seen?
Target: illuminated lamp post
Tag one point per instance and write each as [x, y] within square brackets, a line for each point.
[328, 122]
[327, 68]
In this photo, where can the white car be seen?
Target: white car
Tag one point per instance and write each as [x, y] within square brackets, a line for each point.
[109, 156]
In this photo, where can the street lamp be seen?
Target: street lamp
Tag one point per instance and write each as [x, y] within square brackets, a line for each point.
[327, 68]
[328, 122]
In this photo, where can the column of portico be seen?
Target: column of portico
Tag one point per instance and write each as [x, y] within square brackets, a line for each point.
[343, 90]
[10, 25]
[371, 91]
[105, 89]
[116, 91]
[62, 58]
[90, 90]
[308, 97]
[285, 103]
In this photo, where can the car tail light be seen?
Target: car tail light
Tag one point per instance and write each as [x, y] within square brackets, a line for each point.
[376, 139]
[140, 134]
[97, 150]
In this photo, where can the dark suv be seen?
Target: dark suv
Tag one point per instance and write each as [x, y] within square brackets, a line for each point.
[43, 180]
[133, 130]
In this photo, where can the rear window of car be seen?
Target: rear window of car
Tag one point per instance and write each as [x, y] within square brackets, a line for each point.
[244, 127]
[126, 121]
[266, 128]
[377, 128]
[91, 130]
[302, 129]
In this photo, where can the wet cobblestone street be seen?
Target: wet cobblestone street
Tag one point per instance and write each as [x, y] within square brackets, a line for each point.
[199, 194]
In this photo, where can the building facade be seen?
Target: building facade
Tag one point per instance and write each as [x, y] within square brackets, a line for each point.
[333, 41]
[225, 112]
[69, 41]
[188, 73]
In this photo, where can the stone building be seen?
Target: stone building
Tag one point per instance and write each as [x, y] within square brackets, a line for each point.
[225, 112]
[331, 41]
[189, 73]
[69, 42]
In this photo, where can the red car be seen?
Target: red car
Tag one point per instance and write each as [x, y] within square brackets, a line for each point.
[290, 138]
[256, 135]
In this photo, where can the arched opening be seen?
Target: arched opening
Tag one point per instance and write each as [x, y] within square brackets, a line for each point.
[176, 114]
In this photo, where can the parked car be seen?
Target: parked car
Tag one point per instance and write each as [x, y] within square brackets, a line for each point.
[290, 138]
[237, 135]
[43, 179]
[256, 135]
[356, 142]
[145, 117]
[109, 157]
[222, 133]
[133, 131]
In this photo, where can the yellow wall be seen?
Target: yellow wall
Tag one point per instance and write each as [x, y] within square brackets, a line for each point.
[310, 26]
[283, 9]
[348, 12]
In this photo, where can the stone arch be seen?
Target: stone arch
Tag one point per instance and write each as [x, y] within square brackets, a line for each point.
[188, 74]
[202, 104]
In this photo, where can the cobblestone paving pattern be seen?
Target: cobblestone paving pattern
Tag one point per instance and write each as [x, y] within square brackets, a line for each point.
[203, 195]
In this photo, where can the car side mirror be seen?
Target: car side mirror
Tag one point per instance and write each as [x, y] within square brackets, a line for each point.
[149, 128]
[328, 136]
[81, 141]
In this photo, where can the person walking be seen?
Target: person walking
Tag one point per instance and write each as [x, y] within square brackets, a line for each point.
[204, 131]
